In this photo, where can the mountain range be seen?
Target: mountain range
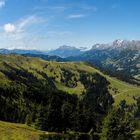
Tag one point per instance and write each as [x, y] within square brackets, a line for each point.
[66, 51]
[120, 58]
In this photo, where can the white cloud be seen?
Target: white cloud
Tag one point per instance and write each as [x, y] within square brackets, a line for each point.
[21, 25]
[74, 16]
[9, 28]
[28, 21]
[2, 3]
[24, 33]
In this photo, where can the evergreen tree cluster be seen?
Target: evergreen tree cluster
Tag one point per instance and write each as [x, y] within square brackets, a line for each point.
[40, 104]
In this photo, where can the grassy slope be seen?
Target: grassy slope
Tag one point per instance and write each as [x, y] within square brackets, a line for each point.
[137, 134]
[125, 91]
[55, 69]
[12, 131]
[15, 131]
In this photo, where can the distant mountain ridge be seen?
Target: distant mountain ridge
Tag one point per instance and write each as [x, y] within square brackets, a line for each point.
[46, 57]
[20, 51]
[120, 58]
[119, 44]
[63, 51]
[66, 51]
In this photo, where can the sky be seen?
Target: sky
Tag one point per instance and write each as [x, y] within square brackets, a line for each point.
[48, 24]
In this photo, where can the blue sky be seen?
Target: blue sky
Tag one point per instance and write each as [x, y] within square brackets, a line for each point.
[48, 24]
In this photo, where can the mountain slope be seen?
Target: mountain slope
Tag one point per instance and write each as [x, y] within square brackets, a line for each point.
[46, 57]
[31, 92]
[57, 96]
[65, 75]
[13, 131]
[120, 59]
[65, 51]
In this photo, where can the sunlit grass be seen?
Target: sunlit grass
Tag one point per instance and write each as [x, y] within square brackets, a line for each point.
[12, 131]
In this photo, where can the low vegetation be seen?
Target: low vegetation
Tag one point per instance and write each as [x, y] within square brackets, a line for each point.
[12, 131]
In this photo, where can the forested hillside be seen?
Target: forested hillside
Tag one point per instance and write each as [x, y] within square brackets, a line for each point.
[60, 96]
